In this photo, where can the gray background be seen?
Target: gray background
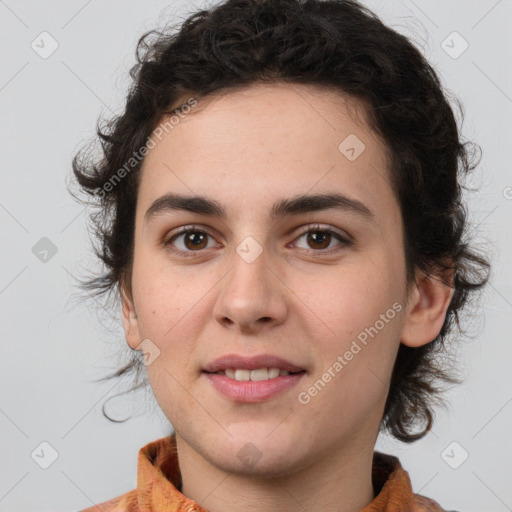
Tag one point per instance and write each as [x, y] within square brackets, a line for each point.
[54, 344]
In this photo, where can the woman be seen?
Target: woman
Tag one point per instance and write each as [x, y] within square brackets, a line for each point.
[280, 213]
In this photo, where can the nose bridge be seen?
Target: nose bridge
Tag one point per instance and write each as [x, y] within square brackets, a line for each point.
[250, 295]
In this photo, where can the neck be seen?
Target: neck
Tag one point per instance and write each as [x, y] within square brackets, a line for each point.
[340, 480]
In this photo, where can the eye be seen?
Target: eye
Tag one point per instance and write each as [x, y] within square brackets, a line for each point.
[319, 239]
[190, 239]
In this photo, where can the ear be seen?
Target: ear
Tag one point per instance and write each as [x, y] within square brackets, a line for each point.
[429, 299]
[130, 321]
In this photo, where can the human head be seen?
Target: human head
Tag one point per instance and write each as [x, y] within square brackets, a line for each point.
[341, 46]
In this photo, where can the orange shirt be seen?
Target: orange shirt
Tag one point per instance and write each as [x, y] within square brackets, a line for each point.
[159, 481]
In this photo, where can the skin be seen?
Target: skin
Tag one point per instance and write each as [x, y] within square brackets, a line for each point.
[299, 300]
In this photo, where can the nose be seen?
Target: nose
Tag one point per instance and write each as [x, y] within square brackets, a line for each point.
[252, 296]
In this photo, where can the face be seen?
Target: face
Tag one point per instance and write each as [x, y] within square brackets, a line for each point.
[320, 285]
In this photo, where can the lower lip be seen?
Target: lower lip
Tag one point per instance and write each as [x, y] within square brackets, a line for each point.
[250, 391]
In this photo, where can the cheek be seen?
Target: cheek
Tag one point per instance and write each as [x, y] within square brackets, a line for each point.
[174, 306]
[162, 296]
[169, 387]
[355, 359]
[356, 317]
[345, 301]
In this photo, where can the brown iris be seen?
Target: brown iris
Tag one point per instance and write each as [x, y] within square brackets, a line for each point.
[196, 238]
[319, 237]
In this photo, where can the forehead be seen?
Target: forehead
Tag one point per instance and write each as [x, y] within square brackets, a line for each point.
[257, 144]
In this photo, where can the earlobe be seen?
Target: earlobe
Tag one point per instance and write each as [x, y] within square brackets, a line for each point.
[429, 300]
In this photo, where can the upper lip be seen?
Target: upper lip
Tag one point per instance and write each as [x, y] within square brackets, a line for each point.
[250, 363]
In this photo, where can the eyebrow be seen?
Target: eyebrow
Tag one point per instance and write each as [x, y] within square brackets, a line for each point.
[284, 207]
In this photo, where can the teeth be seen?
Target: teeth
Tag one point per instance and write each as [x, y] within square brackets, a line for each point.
[242, 374]
[259, 374]
[273, 373]
[255, 375]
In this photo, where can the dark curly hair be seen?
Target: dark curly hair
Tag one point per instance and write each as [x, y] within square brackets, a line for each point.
[341, 45]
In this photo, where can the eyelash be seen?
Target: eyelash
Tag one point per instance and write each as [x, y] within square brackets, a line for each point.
[344, 242]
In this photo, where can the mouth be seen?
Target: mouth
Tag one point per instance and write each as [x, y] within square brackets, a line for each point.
[259, 374]
[252, 379]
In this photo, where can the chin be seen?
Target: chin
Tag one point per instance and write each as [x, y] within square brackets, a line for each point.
[251, 461]
[260, 449]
